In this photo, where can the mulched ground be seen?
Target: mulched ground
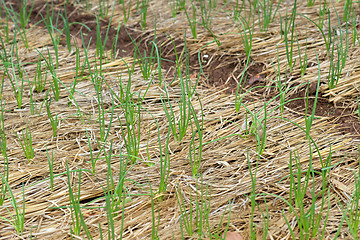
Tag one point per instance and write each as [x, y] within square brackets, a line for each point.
[224, 165]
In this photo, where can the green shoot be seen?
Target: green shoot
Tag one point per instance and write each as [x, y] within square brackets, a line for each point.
[26, 143]
[18, 220]
[246, 34]
[192, 21]
[51, 168]
[309, 119]
[76, 215]
[164, 164]
[40, 78]
[358, 107]
[53, 121]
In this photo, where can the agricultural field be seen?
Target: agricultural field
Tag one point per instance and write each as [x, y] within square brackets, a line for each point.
[179, 119]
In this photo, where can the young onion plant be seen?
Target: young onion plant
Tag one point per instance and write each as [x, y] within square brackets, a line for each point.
[55, 35]
[309, 119]
[75, 208]
[16, 73]
[308, 219]
[53, 121]
[180, 122]
[20, 19]
[98, 81]
[195, 152]
[352, 211]
[253, 173]
[40, 78]
[116, 190]
[338, 58]
[132, 115]
[147, 62]
[192, 21]
[290, 28]
[246, 33]
[164, 164]
[195, 213]
[17, 220]
[26, 143]
[266, 13]
[303, 60]
[3, 150]
[55, 84]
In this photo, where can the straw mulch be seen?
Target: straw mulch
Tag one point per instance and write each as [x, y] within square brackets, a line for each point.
[225, 162]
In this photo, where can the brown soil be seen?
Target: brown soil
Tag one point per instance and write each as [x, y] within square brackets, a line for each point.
[344, 116]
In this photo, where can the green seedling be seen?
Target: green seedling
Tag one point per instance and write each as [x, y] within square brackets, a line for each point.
[205, 13]
[246, 33]
[18, 220]
[192, 21]
[302, 60]
[282, 88]
[132, 115]
[310, 3]
[195, 153]
[290, 26]
[320, 28]
[116, 190]
[323, 11]
[352, 211]
[178, 125]
[154, 226]
[16, 73]
[338, 59]
[53, 121]
[21, 18]
[194, 213]
[26, 143]
[308, 218]
[98, 81]
[237, 9]
[51, 168]
[266, 13]
[104, 8]
[238, 98]
[3, 150]
[55, 35]
[174, 6]
[358, 107]
[347, 9]
[126, 11]
[114, 49]
[96, 158]
[253, 174]
[77, 74]
[75, 208]
[144, 9]
[40, 78]
[309, 119]
[110, 221]
[164, 164]
[355, 35]
[7, 30]
[146, 63]
[67, 29]
[55, 84]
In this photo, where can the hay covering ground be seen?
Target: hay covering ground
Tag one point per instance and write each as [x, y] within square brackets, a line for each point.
[224, 162]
